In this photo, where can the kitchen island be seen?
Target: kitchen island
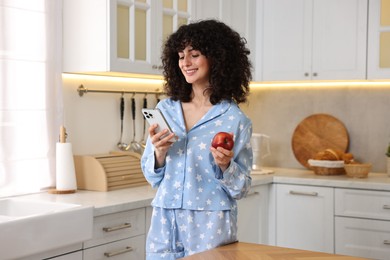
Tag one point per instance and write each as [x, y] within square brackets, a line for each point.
[249, 251]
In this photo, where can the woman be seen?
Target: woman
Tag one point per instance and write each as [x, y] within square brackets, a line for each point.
[207, 73]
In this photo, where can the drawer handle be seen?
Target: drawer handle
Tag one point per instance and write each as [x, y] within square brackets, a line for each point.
[123, 226]
[292, 192]
[119, 252]
[386, 206]
[252, 194]
[386, 242]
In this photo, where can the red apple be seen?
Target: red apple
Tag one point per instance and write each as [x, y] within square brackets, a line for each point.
[224, 140]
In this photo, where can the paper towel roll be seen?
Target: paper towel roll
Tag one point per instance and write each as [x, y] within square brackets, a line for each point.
[65, 171]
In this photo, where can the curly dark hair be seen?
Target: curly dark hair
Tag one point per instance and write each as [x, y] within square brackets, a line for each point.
[230, 67]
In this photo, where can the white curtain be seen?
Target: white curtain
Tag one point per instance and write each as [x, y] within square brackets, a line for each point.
[30, 94]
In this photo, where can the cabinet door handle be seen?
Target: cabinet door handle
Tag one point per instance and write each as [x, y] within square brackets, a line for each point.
[315, 74]
[306, 74]
[118, 252]
[386, 242]
[123, 226]
[252, 194]
[386, 206]
[292, 192]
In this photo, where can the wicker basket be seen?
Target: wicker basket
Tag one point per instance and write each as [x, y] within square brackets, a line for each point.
[328, 171]
[358, 170]
[323, 167]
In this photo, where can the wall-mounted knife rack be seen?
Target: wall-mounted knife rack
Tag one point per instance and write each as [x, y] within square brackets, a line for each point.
[82, 90]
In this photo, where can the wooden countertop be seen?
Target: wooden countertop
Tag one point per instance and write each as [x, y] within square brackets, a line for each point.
[248, 251]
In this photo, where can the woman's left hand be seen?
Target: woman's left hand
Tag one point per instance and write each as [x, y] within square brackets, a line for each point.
[222, 157]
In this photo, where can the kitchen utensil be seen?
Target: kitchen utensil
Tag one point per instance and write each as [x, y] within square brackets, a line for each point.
[261, 149]
[316, 133]
[121, 145]
[135, 146]
[145, 105]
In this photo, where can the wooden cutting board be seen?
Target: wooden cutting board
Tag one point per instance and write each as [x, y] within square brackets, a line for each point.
[316, 133]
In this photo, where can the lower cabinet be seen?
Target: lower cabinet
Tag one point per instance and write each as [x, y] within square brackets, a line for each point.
[333, 220]
[253, 216]
[117, 236]
[72, 252]
[363, 237]
[362, 223]
[130, 248]
[304, 217]
[71, 256]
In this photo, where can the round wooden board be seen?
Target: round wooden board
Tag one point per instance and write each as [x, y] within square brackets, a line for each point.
[316, 133]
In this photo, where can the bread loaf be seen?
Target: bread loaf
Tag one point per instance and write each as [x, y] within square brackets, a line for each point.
[334, 155]
[348, 158]
[329, 155]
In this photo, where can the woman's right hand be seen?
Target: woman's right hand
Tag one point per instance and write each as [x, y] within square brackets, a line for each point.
[161, 145]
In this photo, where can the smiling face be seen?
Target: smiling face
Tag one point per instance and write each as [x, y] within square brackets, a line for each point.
[194, 66]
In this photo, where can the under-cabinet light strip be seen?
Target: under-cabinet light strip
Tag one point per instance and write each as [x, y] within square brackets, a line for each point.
[325, 84]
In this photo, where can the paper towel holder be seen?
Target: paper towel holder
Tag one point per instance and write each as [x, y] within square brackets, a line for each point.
[62, 141]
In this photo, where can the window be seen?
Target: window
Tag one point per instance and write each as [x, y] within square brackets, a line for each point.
[30, 94]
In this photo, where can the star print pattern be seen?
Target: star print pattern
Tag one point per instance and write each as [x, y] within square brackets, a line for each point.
[190, 175]
[196, 231]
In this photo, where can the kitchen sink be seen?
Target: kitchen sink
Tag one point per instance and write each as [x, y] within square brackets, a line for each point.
[30, 227]
[16, 208]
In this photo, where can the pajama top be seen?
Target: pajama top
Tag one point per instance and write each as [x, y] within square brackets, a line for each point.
[190, 179]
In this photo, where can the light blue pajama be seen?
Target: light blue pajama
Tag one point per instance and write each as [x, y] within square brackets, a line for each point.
[175, 233]
[192, 184]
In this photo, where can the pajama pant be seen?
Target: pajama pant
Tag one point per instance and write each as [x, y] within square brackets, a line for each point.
[176, 233]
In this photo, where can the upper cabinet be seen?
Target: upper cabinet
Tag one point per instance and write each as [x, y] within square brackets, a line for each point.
[238, 14]
[379, 40]
[310, 40]
[119, 36]
[288, 40]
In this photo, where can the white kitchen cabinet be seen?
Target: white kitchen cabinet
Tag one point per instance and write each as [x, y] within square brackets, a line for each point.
[119, 235]
[304, 217]
[362, 223]
[126, 249]
[253, 216]
[148, 219]
[378, 40]
[72, 256]
[239, 14]
[312, 40]
[118, 36]
[72, 252]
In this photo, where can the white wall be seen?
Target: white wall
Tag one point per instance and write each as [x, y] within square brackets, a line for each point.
[93, 121]
[365, 112]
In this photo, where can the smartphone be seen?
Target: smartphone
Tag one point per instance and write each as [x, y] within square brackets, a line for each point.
[155, 116]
